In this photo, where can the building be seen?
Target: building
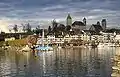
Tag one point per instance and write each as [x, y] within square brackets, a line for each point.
[84, 21]
[78, 26]
[95, 27]
[69, 20]
[54, 25]
[104, 23]
[98, 23]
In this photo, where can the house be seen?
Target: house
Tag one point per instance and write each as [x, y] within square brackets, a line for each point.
[78, 26]
[96, 28]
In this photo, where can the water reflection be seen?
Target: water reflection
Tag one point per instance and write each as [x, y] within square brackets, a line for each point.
[72, 62]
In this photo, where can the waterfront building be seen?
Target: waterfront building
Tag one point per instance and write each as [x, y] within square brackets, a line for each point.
[104, 23]
[69, 20]
[78, 26]
[54, 25]
[95, 27]
[85, 37]
[84, 21]
[98, 23]
[70, 37]
[10, 39]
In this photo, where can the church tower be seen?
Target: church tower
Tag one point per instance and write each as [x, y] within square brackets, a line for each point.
[104, 23]
[84, 21]
[69, 20]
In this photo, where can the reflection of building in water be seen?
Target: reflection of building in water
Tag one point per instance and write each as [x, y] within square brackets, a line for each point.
[44, 62]
[46, 58]
[26, 58]
[117, 52]
[5, 65]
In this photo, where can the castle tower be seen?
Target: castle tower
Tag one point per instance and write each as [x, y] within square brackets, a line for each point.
[98, 23]
[69, 20]
[104, 23]
[84, 21]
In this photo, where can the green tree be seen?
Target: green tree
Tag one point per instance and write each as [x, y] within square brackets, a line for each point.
[15, 28]
[37, 30]
[49, 29]
[28, 28]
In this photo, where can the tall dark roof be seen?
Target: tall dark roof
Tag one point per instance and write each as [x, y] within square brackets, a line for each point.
[69, 17]
[103, 20]
[78, 23]
[84, 18]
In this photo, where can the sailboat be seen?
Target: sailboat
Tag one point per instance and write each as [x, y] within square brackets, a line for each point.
[43, 47]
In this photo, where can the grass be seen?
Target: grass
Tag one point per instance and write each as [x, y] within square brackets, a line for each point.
[18, 42]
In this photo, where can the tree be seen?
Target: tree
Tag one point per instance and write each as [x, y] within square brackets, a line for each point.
[15, 28]
[37, 30]
[49, 29]
[24, 28]
[28, 28]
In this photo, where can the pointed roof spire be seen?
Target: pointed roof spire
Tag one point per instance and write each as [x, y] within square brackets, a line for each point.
[84, 18]
[69, 17]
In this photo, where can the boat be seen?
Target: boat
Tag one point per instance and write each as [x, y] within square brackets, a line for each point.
[43, 47]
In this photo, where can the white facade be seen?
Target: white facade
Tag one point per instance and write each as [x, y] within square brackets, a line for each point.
[85, 37]
[117, 37]
[10, 39]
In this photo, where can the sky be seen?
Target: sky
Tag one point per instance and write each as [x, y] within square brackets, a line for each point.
[42, 12]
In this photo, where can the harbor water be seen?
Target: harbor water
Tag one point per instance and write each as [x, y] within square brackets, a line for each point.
[64, 62]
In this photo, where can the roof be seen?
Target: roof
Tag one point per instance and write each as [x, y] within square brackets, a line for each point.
[78, 23]
[98, 28]
[69, 17]
[103, 20]
[89, 32]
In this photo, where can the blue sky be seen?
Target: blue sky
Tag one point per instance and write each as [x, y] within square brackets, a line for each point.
[43, 11]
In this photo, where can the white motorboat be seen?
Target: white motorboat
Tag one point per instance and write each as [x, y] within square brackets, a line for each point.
[43, 47]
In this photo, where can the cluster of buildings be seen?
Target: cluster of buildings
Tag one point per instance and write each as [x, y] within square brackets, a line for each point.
[75, 30]
[78, 26]
[96, 32]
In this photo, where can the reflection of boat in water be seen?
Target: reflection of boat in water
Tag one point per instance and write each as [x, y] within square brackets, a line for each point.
[43, 47]
[26, 49]
[100, 45]
[59, 47]
[112, 44]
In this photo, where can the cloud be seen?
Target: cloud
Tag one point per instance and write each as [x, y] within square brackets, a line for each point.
[44, 11]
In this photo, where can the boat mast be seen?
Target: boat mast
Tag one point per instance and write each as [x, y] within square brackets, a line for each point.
[43, 38]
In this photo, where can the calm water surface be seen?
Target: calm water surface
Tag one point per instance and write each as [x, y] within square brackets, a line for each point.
[72, 62]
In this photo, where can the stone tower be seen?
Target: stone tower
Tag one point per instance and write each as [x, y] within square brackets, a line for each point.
[104, 23]
[69, 20]
[84, 21]
[98, 23]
